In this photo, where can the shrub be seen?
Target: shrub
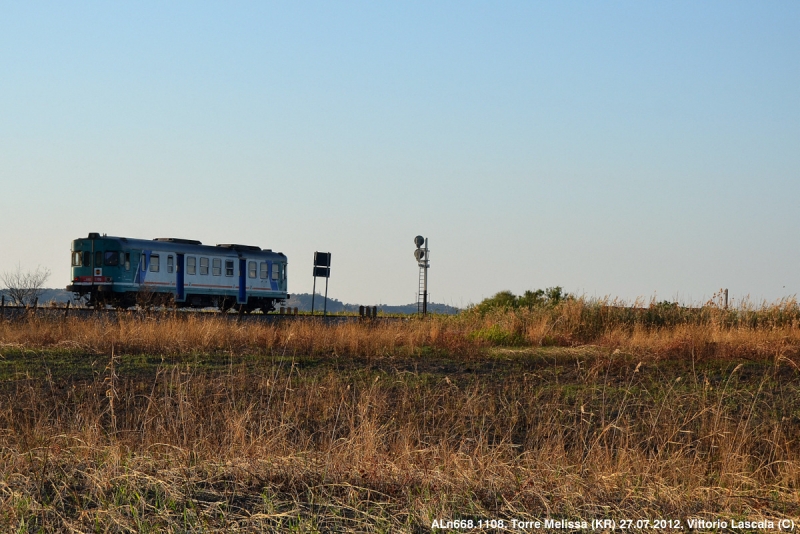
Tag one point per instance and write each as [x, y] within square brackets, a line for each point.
[541, 298]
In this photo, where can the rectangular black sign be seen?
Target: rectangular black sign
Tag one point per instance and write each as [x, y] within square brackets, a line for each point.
[322, 272]
[322, 259]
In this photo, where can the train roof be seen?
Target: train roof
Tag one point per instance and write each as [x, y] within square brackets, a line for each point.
[188, 246]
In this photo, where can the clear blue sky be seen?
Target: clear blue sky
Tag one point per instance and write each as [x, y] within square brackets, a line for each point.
[619, 148]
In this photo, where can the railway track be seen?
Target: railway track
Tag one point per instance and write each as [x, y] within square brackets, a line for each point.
[21, 313]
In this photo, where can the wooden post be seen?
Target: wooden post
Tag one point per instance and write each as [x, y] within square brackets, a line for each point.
[66, 310]
[726, 299]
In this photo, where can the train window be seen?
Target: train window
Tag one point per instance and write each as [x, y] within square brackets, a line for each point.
[204, 266]
[216, 267]
[252, 269]
[98, 259]
[170, 263]
[191, 265]
[154, 263]
[143, 262]
[76, 259]
[264, 269]
[111, 259]
[275, 271]
[127, 261]
[284, 271]
[87, 259]
[228, 267]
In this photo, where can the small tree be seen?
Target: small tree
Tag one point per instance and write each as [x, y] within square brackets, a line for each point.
[24, 287]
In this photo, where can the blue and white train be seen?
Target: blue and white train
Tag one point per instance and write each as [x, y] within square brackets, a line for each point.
[123, 272]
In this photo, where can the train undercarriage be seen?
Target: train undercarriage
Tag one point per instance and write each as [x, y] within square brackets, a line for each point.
[101, 297]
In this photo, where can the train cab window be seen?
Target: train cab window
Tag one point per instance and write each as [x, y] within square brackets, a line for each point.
[283, 272]
[127, 260]
[87, 259]
[264, 270]
[98, 259]
[204, 266]
[252, 269]
[228, 267]
[154, 263]
[191, 265]
[170, 263]
[216, 267]
[111, 259]
[275, 271]
[76, 259]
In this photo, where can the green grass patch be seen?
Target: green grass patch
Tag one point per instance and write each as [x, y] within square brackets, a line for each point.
[499, 336]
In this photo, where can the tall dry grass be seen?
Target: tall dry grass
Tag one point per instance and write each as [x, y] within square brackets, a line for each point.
[688, 420]
[654, 330]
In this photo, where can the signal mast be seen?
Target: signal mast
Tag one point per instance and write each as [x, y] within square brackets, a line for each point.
[423, 260]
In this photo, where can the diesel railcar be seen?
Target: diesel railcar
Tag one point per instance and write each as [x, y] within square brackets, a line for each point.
[124, 272]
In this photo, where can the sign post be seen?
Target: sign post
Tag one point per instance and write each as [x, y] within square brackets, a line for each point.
[322, 268]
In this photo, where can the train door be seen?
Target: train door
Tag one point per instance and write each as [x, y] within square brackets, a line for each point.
[180, 294]
[241, 298]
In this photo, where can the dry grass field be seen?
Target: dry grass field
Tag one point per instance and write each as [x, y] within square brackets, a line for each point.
[584, 410]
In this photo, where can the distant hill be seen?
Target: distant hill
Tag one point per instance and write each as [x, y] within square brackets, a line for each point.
[57, 295]
[302, 301]
[51, 294]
